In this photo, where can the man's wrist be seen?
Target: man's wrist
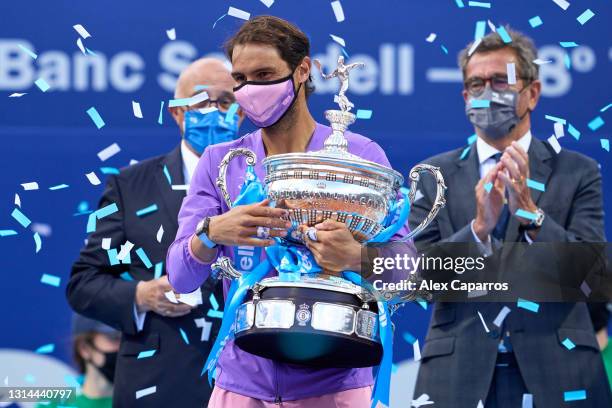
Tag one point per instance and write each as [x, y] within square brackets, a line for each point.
[480, 230]
[138, 301]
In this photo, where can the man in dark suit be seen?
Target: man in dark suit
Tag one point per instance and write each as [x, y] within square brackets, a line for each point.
[123, 283]
[522, 356]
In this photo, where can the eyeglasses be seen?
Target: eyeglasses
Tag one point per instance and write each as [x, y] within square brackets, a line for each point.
[499, 83]
[223, 103]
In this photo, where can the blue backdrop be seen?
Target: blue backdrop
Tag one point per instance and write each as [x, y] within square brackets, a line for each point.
[412, 87]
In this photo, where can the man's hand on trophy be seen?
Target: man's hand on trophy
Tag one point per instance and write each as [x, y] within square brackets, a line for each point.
[254, 225]
[333, 246]
[490, 195]
[514, 174]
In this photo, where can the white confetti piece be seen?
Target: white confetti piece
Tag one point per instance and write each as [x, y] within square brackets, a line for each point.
[527, 401]
[559, 132]
[109, 152]
[540, 61]
[339, 40]
[474, 46]
[511, 70]
[421, 401]
[17, 95]
[431, 38]
[44, 230]
[146, 391]
[106, 243]
[584, 287]
[196, 99]
[562, 3]
[192, 299]
[416, 350]
[160, 233]
[554, 143]
[171, 33]
[480, 404]
[501, 316]
[483, 322]
[170, 296]
[268, 3]
[30, 186]
[79, 43]
[236, 12]
[180, 187]
[136, 109]
[338, 11]
[93, 178]
[205, 326]
[81, 30]
[125, 250]
[17, 200]
[491, 26]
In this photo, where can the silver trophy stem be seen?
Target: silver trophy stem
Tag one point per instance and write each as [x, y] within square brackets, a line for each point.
[339, 121]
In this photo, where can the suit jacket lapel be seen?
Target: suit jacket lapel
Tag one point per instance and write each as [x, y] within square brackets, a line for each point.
[172, 199]
[539, 171]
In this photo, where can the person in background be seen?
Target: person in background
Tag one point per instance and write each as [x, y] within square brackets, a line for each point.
[126, 288]
[94, 350]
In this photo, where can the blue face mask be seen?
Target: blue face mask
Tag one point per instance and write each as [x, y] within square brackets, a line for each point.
[203, 129]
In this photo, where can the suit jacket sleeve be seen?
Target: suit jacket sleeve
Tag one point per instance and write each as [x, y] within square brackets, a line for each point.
[95, 289]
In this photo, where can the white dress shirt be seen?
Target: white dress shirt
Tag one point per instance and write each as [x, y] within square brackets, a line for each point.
[486, 162]
[190, 161]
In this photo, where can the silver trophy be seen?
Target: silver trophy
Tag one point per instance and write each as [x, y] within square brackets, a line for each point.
[315, 186]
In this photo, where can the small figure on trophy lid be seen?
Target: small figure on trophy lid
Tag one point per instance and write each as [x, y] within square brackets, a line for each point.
[342, 73]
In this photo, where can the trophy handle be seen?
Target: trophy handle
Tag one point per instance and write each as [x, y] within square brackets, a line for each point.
[440, 201]
[221, 181]
[223, 268]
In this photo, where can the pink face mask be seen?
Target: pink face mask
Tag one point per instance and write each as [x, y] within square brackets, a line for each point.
[265, 102]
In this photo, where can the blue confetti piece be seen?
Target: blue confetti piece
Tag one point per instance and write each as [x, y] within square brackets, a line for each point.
[568, 344]
[229, 115]
[596, 123]
[479, 4]
[465, 152]
[95, 117]
[184, 335]
[91, 222]
[107, 210]
[173, 103]
[7, 233]
[528, 305]
[50, 280]
[536, 185]
[555, 119]
[409, 337]
[472, 138]
[504, 35]
[215, 313]
[345, 53]
[422, 303]
[200, 87]
[147, 210]
[37, 242]
[42, 84]
[576, 395]
[109, 170]
[21, 218]
[59, 187]
[160, 118]
[146, 354]
[605, 108]
[112, 256]
[585, 16]
[526, 214]
[364, 114]
[573, 131]
[167, 174]
[444, 49]
[158, 270]
[488, 187]
[535, 21]
[481, 27]
[213, 301]
[126, 276]
[31, 53]
[605, 144]
[459, 3]
[567, 61]
[144, 258]
[46, 349]
[568, 44]
[480, 103]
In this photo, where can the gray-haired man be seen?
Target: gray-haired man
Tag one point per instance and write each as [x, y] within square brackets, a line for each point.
[522, 356]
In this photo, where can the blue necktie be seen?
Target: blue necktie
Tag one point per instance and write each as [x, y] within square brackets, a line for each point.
[499, 232]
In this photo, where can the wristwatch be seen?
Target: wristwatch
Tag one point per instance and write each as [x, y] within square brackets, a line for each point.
[534, 224]
[201, 232]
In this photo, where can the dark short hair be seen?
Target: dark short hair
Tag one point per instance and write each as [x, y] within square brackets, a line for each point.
[292, 44]
[522, 46]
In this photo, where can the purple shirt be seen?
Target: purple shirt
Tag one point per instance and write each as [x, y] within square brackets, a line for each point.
[237, 370]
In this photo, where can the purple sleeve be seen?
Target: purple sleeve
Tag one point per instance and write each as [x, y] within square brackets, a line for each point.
[185, 272]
